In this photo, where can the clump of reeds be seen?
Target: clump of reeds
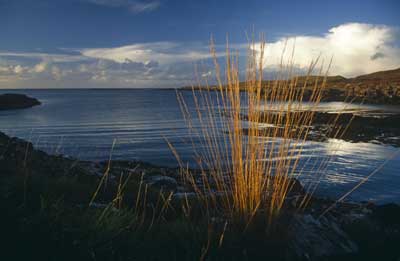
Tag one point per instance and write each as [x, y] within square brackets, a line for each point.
[248, 136]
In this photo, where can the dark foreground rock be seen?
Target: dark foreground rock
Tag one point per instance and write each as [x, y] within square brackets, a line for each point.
[10, 101]
[317, 238]
[18, 157]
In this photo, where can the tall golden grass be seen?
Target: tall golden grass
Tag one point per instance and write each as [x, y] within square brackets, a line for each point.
[248, 136]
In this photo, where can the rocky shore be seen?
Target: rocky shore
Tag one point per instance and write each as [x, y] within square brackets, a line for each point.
[10, 101]
[350, 231]
[375, 127]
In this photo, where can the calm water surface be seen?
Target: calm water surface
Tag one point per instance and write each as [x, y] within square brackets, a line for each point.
[84, 124]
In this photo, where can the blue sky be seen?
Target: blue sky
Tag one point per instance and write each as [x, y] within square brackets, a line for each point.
[155, 43]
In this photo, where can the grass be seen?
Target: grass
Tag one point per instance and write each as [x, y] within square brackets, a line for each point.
[51, 226]
[246, 169]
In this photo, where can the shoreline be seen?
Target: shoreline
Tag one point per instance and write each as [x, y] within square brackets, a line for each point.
[96, 167]
[157, 175]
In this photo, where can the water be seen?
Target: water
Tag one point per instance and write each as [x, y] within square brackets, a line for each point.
[85, 123]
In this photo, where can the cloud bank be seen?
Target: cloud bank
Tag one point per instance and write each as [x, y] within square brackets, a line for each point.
[356, 49]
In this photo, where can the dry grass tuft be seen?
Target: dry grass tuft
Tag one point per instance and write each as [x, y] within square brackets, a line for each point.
[248, 137]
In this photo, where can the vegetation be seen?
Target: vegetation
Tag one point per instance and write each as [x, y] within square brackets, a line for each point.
[51, 225]
[250, 169]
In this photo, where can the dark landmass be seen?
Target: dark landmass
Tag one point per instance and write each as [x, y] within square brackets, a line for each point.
[47, 215]
[375, 88]
[10, 101]
[380, 128]
[376, 127]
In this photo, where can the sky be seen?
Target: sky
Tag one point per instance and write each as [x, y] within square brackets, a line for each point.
[165, 43]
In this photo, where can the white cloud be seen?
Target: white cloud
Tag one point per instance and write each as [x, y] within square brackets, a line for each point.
[40, 67]
[162, 52]
[356, 49]
[138, 7]
[56, 72]
[19, 69]
[5, 70]
[134, 6]
[61, 58]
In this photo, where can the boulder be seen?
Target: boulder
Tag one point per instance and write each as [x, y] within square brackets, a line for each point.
[162, 182]
[315, 239]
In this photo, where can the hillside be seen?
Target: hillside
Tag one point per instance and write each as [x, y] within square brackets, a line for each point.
[382, 75]
[377, 87]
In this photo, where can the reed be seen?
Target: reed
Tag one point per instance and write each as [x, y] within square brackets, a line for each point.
[248, 136]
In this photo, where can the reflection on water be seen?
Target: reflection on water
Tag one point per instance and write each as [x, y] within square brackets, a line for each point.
[352, 162]
[369, 110]
[84, 123]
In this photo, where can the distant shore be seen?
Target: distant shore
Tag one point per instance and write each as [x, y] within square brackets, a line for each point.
[376, 88]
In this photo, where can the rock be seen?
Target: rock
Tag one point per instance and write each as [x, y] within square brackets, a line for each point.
[18, 157]
[295, 187]
[388, 214]
[11, 101]
[185, 195]
[162, 182]
[314, 239]
[375, 126]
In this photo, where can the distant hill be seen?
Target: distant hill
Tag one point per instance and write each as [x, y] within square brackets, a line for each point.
[377, 87]
[380, 76]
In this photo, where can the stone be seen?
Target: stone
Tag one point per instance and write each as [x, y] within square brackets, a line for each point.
[314, 238]
[162, 182]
